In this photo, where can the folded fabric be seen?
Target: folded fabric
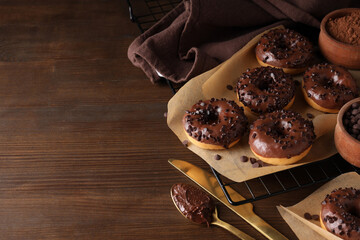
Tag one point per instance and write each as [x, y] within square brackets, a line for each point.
[198, 35]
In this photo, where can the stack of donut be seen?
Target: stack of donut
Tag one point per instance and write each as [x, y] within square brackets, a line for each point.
[279, 136]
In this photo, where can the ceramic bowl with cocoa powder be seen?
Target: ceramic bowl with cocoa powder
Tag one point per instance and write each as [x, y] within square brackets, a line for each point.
[347, 132]
[339, 38]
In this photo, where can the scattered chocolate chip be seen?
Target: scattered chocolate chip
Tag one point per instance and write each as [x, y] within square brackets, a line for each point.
[256, 165]
[253, 160]
[309, 115]
[315, 217]
[307, 216]
[263, 164]
[185, 143]
[229, 87]
[244, 159]
[217, 157]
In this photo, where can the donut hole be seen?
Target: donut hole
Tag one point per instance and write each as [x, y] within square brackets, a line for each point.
[326, 82]
[264, 85]
[208, 116]
[354, 210]
[277, 130]
[282, 45]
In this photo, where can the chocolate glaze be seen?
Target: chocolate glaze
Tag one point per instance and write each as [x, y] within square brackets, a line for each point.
[265, 89]
[194, 204]
[281, 134]
[284, 48]
[340, 213]
[329, 86]
[215, 121]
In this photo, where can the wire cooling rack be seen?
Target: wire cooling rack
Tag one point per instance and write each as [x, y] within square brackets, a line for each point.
[261, 187]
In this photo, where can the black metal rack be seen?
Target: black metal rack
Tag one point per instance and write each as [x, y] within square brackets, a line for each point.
[264, 186]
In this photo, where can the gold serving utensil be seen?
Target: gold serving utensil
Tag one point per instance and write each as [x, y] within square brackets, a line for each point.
[218, 222]
[208, 182]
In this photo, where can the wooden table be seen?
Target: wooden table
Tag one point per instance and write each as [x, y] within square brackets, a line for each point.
[83, 141]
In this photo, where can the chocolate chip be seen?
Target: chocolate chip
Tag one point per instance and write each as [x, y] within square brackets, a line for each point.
[256, 165]
[315, 217]
[185, 143]
[351, 120]
[217, 157]
[229, 87]
[244, 159]
[307, 216]
[309, 115]
[253, 160]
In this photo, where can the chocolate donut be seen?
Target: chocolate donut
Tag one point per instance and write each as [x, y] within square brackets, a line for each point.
[340, 213]
[327, 87]
[281, 137]
[215, 123]
[284, 48]
[265, 89]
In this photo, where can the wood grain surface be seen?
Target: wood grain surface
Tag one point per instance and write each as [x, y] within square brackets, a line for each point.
[83, 141]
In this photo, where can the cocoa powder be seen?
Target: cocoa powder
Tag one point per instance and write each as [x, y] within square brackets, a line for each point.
[345, 29]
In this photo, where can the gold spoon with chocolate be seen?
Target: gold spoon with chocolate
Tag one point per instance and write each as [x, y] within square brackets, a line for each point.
[195, 205]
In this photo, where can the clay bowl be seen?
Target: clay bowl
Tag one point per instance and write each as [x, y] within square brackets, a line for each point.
[347, 146]
[335, 51]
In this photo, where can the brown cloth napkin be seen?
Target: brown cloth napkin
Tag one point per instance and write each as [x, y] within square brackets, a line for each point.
[200, 34]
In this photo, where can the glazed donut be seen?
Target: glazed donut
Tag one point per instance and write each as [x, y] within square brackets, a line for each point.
[327, 87]
[340, 213]
[286, 49]
[215, 123]
[265, 89]
[281, 137]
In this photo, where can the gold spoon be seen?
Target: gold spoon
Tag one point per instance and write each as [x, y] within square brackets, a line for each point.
[218, 222]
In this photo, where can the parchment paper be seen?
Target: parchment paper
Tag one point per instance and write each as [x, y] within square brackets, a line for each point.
[213, 84]
[311, 229]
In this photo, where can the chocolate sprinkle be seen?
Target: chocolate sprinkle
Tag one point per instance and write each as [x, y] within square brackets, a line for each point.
[217, 157]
